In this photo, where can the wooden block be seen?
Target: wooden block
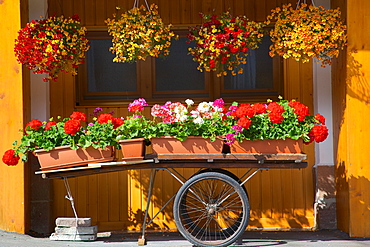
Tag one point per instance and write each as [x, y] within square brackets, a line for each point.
[70, 222]
[64, 237]
[77, 230]
[141, 241]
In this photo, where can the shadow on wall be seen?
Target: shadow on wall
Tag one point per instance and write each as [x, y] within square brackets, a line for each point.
[285, 212]
[353, 188]
[358, 86]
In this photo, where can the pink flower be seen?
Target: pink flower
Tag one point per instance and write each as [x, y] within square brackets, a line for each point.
[230, 139]
[160, 111]
[218, 103]
[137, 105]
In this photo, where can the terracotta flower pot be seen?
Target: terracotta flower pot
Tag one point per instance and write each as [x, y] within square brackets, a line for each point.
[62, 157]
[268, 146]
[133, 149]
[192, 145]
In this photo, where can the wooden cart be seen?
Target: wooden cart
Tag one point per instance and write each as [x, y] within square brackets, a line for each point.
[211, 208]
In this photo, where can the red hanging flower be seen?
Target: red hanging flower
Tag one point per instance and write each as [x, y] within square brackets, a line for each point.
[78, 116]
[34, 124]
[9, 158]
[71, 127]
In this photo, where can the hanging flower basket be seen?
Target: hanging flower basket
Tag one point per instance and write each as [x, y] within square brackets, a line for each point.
[139, 33]
[222, 42]
[52, 45]
[307, 32]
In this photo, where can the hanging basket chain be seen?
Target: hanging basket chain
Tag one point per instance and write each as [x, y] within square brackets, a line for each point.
[304, 2]
[137, 2]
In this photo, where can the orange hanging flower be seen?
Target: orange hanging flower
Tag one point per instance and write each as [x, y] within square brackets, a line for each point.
[307, 32]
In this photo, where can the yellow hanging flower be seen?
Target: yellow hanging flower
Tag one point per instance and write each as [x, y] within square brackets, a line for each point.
[307, 32]
[139, 33]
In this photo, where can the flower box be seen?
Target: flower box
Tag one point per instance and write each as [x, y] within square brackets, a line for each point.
[192, 145]
[268, 146]
[62, 157]
[133, 149]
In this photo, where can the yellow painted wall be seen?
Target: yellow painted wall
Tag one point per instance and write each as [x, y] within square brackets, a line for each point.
[12, 179]
[351, 95]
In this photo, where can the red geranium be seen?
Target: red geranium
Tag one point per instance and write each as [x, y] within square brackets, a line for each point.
[275, 107]
[9, 158]
[320, 118]
[78, 116]
[34, 124]
[259, 108]
[275, 117]
[300, 109]
[244, 122]
[319, 133]
[105, 118]
[108, 118]
[71, 127]
[49, 124]
[117, 122]
[276, 111]
[244, 110]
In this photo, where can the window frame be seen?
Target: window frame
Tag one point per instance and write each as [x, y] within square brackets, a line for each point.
[146, 84]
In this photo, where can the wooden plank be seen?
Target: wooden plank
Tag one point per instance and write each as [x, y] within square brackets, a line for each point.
[124, 187]
[260, 10]
[92, 203]
[174, 12]
[103, 202]
[185, 8]
[266, 196]
[101, 12]
[90, 13]
[114, 197]
[95, 170]
[233, 157]
[196, 8]
[249, 9]
[277, 194]
[82, 190]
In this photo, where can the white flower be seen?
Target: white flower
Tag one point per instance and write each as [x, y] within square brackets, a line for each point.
[198, 120]
[217, 109]
[195, 114]
[180, 109]
[204, 107]
[189, 102]
[181, 117]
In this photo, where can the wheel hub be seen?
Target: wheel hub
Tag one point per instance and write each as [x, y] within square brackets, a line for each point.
[212, 209]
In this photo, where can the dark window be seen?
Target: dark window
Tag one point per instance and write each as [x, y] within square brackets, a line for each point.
[100, 80]
[104, 75]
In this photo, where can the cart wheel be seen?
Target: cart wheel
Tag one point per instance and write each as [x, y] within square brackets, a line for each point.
[211, 209]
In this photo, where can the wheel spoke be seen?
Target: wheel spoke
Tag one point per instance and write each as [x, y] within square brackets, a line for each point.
[209, 209]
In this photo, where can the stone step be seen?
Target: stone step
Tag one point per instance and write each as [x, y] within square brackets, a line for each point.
[64, 237]
[71, 222]
[76, 230]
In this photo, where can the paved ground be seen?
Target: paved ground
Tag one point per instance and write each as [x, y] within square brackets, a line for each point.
[250, 239]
